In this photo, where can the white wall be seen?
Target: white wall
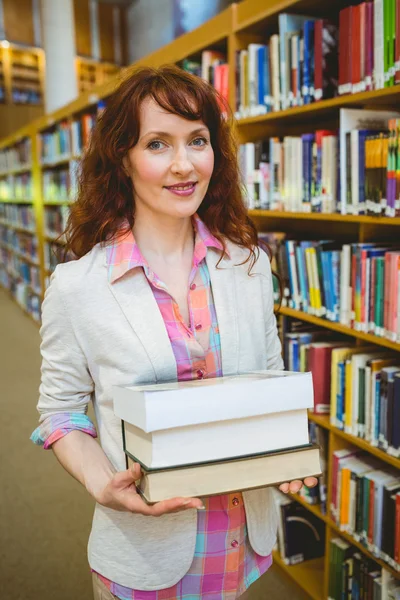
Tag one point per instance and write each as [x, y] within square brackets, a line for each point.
[151, 25]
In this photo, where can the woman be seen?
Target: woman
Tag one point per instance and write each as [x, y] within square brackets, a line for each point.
[167, 277]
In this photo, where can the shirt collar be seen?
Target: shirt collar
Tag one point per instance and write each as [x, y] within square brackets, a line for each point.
[123, 254]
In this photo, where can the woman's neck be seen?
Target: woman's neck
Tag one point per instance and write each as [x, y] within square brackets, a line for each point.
[163, 237]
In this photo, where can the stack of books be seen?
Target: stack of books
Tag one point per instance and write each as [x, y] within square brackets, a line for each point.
[215, 436]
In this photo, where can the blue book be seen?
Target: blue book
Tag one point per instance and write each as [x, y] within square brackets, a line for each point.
[302, 277]
[335, 278]
[267, 80]
[341, 374]
[307, 142]
[327, 284]
[308, 64]
[260, 76]
[288, 24]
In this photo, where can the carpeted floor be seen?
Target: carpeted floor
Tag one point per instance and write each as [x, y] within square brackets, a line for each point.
[45, 515]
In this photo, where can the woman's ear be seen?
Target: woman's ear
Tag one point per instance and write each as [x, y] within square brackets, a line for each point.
[125, 166]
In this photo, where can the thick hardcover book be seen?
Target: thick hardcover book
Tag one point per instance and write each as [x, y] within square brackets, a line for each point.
[223, 477]
[304, 534]
[326, 59]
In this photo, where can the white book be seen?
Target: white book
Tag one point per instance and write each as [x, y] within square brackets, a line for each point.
[345, 290]
[213, 419]
[253, 79]
[379, 41]
[275, 77]
[243, 108]
[352, 208]
[249, 170]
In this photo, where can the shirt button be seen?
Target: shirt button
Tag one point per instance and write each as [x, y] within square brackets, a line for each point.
[235, 502]
[193, 286]
[199, 326]
[200, 374]
[235, 544]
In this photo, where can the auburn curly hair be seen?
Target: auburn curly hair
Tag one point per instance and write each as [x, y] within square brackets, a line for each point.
[105, 205]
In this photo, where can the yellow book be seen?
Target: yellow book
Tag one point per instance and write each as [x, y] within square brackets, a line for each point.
[317, 291]
[348, 399]
[344, 499]
[310, 274]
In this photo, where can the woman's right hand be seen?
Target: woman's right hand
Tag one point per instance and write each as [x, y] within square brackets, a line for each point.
[121, 494]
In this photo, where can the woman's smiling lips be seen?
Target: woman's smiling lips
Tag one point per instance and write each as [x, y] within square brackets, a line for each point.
[182, 189]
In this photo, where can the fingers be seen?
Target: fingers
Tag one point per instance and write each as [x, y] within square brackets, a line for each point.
[295, 486]
[175, 505]
[125, 478]
[310, 481]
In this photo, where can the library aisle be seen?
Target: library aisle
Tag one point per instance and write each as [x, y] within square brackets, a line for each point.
[45, 514]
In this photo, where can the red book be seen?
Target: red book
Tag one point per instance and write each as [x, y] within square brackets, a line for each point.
[397, 45]
[355, 37]
[319, 363]
[397, 530]
[344, 50]
[372, 294]
[318, 66]
[369, 45]
[370, 534]
[225, 82]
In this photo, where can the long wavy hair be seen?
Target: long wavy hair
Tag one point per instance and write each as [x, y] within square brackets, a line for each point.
[105, 205]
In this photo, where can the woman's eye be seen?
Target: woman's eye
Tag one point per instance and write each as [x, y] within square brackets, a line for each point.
[199, 142]
[156, 145]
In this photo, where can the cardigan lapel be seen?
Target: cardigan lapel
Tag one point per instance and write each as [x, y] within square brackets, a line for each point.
[135, 297]
[224, 293]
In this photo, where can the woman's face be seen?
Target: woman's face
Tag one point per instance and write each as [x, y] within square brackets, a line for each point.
[171, 164]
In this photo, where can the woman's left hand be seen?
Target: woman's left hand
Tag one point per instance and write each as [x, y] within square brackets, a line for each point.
[295, 486]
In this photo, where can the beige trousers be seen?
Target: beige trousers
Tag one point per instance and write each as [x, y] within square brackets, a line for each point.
[100, 591]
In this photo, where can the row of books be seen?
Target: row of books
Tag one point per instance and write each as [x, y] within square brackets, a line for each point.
[26, 95]
[68, 139]
[299, 65]
[55, 254]
[213, 68]
[17, 156]
[21, 243]
[60, 185]
[17, 215]
[55, 218]
[359, 387]
[355, 170]
[356, 285]
[16, 187]
[353, 576]
[18, 271]
[310, 59]
[318, 494]
[365, 503]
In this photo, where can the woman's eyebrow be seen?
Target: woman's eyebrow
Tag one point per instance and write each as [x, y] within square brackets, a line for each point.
[165, 134]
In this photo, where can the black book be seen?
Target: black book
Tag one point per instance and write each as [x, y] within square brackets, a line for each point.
[396, 414]
[304, 533]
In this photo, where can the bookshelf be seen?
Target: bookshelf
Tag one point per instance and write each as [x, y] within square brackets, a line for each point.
[91, 73]
[233, 29]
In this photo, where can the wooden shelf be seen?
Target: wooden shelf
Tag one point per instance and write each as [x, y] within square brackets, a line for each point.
[16, 171]
[18, 229]
[333, 217]
[367, 337]
[309, 575]
[323, 108]
[323, 421]
[57, 203]
[363, 549]
[16, 201]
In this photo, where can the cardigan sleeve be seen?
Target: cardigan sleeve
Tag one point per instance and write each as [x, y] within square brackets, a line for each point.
[66, 385]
